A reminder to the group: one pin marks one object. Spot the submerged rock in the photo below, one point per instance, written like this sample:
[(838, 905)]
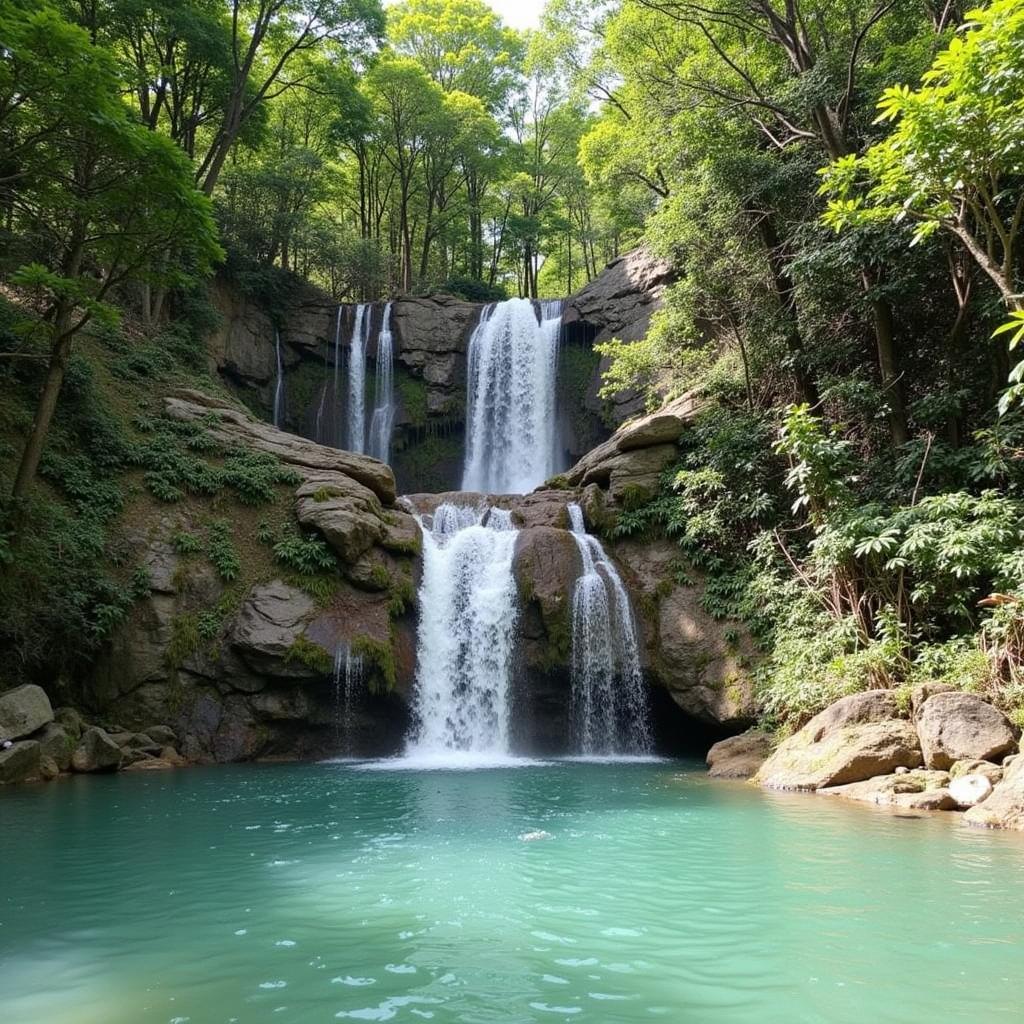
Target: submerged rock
[(954, 726), (739, 757), (23, 711)]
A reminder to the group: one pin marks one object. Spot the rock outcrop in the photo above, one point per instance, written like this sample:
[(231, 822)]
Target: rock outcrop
[(618, 303), (244, 674)]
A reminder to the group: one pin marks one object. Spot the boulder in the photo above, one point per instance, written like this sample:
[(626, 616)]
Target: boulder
[(855, 709), (850, 753), (162, 734), (57, 744), (96, 752), (955, 725), (739, 757), (23, 711), (268, 625), (969, 790), (20, 762), (71, 720), (1004, 807), (343, 510), (919, 694)]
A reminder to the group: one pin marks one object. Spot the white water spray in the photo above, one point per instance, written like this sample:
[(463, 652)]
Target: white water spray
[(511, 434), (383, 418), (609, 704), (467, 625), (357, 378), (279, 386), (348, 680)]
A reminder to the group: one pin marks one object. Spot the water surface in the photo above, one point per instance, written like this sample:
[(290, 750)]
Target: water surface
[(318, 893)]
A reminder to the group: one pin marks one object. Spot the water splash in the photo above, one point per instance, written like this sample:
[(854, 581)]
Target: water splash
[(609, 703), (511, 437), (357, 378), (467, 626), (348, 681), (383, 419), (279, 386)]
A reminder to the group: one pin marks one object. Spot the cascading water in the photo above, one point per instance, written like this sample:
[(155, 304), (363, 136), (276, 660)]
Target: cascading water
[(511, 425), (279, 386), (383, 417), (348, 679), (357, 378), (467, 599), (609, 704)]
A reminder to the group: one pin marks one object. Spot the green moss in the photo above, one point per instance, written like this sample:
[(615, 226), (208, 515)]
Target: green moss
[(427, 462), (402, 595), (185, 640), (321, 587), (379, 576), (310, 654), (412, 395), (378, 662)]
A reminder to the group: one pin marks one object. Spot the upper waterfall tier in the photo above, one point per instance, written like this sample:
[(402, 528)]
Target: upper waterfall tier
[(511, 429)]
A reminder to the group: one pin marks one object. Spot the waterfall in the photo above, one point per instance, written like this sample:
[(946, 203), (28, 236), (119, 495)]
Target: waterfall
[(609, 704), (279, 386), (467, 601), (510, 436), (348, 679), (357, 378), (384, 393)]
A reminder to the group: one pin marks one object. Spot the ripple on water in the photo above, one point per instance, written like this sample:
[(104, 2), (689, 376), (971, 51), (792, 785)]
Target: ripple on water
[(663, 896)]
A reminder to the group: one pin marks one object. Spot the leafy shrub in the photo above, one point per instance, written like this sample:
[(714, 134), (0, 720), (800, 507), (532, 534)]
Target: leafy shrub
[(221, 550), (307, 555)]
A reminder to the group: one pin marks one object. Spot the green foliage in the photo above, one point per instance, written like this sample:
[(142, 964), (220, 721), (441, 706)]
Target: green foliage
[(378, 661), (221, 550), (307, 555)]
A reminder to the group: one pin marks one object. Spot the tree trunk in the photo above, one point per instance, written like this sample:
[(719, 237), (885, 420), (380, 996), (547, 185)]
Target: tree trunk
[(785, 292), (888, 362), (47, 405)]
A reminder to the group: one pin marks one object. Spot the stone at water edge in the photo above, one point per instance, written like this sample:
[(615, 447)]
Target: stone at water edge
[(916, 789), (23, 711), (969, 790), (1004, 807), (96, 752), (739, 757), (847, 755), (57, 744), (19, 762), (954, 726)]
